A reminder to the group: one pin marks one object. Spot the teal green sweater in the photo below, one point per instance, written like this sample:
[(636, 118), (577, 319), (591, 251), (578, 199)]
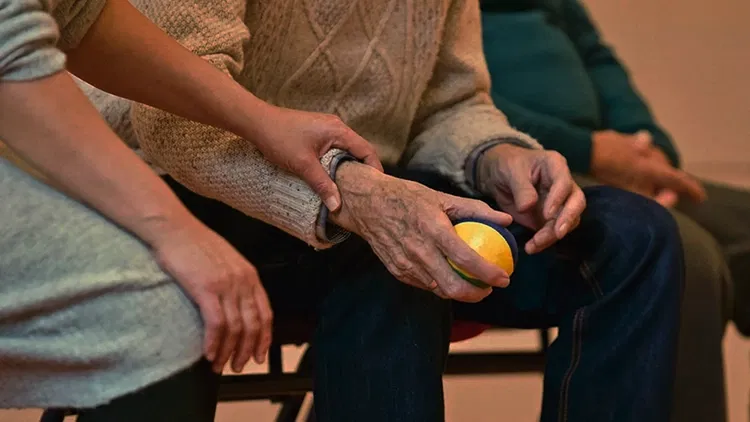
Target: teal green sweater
[(556, 80)]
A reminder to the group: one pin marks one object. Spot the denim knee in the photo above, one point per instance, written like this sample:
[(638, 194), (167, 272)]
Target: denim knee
[(636, 230)]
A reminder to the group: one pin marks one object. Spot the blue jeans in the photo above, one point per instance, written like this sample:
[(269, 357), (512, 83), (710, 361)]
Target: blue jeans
[(613, 287)]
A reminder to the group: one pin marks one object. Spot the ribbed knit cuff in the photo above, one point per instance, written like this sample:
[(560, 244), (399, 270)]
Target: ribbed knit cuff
[(326, 230)]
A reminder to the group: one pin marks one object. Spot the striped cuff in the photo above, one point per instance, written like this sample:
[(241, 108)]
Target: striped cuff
[(326, 230)]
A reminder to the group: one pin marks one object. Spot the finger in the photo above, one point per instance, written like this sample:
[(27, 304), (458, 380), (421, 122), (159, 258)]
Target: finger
[(571, 212), (320, 182), (359, 148), (643, 141), (543, 238), (557, 183), (667, 198), (680, 182), (466, 258), (214, 323), (450, 284), (250, 328), (230, 304), (410, 274), (458, 208), (558, 195), (265, 317), (433, 266), (524, 193)]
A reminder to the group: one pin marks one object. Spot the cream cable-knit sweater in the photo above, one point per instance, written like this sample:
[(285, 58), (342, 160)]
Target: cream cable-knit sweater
[(407, 75)]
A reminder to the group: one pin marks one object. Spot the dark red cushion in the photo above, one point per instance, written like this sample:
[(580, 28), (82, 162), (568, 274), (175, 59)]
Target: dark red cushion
[(464, 330)]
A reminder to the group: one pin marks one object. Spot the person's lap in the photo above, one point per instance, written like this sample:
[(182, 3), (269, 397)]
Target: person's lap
[(86, 315), (706, 308), (364, 314), (726, 216)]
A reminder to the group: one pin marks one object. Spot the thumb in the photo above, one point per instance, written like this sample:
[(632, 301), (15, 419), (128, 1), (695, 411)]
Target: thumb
[(320, 182), (667, 198), (524, 193), (643, 140)]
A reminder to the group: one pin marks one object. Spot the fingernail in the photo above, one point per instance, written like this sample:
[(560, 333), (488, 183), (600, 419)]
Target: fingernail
[(504, 281), (332, 203), (563, 230), (530, 248)]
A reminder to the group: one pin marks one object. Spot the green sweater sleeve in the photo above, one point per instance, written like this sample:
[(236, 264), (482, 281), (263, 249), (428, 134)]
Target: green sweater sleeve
[(553, 133), (623, 109)]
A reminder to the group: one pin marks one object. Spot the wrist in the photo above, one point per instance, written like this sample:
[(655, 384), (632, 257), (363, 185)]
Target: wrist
[(487, 164), (158, 228), (250, 115), (354, 180)]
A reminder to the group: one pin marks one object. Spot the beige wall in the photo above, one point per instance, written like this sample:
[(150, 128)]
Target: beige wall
[(692, 60)]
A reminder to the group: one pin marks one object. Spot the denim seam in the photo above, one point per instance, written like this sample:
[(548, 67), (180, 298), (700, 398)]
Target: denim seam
[(575, 360), (588, 275)]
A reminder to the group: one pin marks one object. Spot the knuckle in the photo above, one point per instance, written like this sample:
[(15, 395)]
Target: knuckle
[(249, 273), (452, 290), (402, 263), (215, 322), (234, 328), (267, 319)]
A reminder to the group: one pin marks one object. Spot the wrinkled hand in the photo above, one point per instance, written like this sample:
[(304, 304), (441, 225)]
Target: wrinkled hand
[(409, 227), (226, 288), (536, 188), (296, 140), (633, 163)]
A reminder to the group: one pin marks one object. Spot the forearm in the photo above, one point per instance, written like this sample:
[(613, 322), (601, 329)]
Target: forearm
[(125, 54), (219, 165), (51, 125)]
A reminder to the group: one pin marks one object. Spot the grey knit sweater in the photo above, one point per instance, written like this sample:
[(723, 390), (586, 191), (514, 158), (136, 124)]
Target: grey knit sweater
[(86, 314), (30, 34), (409, 76)]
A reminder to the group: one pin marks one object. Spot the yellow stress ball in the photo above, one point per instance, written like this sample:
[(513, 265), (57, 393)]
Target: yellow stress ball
[(492, 242)]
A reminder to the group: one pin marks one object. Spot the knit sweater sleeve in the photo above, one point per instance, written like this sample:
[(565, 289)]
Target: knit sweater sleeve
[(623, 108), (33, 33), (213, 162), (457, 115)]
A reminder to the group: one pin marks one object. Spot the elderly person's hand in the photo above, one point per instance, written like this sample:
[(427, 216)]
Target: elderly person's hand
[(536, 188), (409, 227)]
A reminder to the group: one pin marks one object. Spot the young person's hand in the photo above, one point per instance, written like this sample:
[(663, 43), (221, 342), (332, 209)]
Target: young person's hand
[(296, 140), (236, 313)]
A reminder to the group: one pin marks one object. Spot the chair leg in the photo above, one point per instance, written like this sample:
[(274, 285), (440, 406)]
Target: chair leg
[(311, 412), (53, 415), (544, 339), (291, 406)]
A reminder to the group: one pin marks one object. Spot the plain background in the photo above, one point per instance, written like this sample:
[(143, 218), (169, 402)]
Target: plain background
[(691, 60)]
